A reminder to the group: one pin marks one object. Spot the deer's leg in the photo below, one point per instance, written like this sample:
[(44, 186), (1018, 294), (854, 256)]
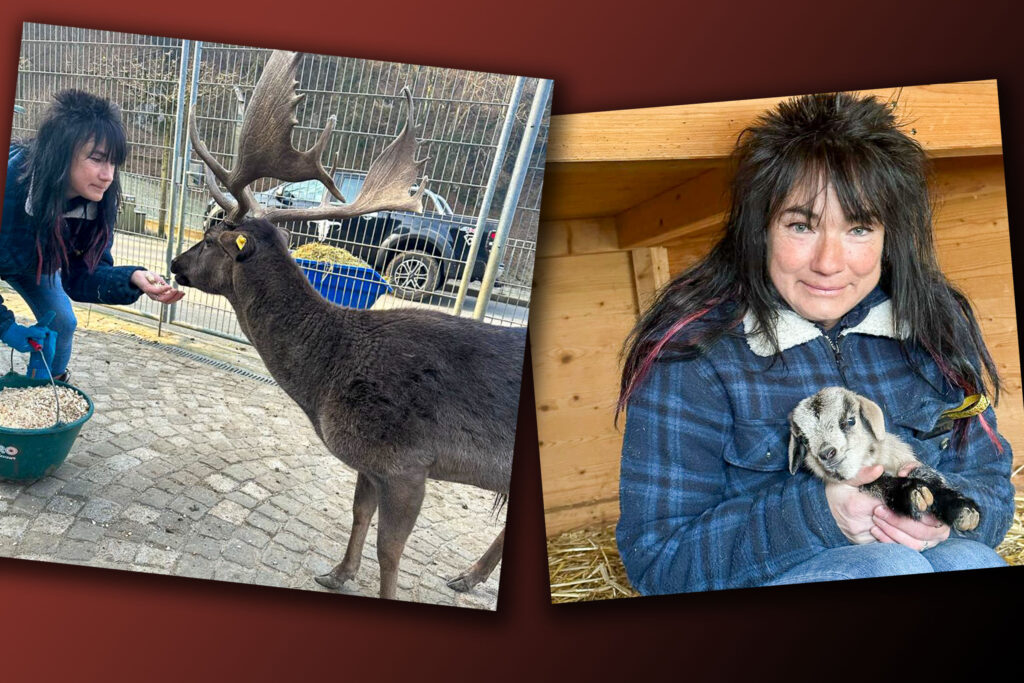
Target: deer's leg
[(364, 504), (480, 569), (400, 501)]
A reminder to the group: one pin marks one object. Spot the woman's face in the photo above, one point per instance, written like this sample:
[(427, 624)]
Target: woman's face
[(822, 263), (91, 172)]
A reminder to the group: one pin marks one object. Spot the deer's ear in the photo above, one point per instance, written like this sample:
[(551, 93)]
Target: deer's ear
[(286, 236), (237, 244)]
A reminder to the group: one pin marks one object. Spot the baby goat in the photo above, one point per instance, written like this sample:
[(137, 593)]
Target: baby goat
[(398, 395), (835, 433)]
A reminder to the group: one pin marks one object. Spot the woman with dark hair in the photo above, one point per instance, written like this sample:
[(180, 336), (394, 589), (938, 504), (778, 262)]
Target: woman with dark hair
[(60, 206), (826, 275)]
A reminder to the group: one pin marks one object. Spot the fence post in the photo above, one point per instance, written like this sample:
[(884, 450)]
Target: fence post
[(480, 234), (186, 155), (166, 311), (515, 188)]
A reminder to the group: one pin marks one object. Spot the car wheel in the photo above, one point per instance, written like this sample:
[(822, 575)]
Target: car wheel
[(414, 274)]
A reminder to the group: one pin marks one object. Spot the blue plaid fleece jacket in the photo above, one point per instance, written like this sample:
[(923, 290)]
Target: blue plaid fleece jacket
[(707, 500), (107, 284)]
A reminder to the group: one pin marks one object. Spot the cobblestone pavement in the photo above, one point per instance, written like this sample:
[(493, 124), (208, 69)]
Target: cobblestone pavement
[(192, 470)]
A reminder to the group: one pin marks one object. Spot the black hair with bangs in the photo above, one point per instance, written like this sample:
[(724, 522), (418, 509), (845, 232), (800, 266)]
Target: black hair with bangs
[(75, 118), (880, 175)]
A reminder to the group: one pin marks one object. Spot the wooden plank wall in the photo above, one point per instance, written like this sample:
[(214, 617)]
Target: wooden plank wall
[(584, 304)]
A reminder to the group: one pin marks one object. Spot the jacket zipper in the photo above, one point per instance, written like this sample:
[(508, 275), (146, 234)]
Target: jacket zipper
[(838, 354)]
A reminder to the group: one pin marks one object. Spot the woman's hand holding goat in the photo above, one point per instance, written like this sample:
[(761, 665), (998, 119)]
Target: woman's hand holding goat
[(919, 535), (852, 508), (862, 519)]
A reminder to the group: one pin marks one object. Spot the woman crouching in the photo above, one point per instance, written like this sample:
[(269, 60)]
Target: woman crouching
[(60, 207)]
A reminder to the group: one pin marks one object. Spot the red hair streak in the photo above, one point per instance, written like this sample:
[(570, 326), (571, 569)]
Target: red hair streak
[(649, 359)]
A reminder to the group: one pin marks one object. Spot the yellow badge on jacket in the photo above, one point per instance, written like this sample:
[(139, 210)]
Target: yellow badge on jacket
[(972, 405)]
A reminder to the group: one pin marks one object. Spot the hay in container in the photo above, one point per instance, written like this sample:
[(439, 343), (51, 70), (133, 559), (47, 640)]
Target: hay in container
[(325, 253), (584, 564), (34, 408)]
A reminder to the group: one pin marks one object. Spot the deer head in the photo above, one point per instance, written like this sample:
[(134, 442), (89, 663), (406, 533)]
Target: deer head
[(265, 150)]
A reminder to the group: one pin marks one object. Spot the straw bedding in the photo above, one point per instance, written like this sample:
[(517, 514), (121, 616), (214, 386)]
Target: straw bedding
[(584, 564)]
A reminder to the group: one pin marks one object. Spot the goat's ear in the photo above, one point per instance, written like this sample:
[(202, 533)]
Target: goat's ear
[(238, 245), (797, 449), (871, 414)]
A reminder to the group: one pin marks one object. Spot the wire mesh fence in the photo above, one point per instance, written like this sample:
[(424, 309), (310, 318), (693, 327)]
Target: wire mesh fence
[(141, 75), (459, 117)]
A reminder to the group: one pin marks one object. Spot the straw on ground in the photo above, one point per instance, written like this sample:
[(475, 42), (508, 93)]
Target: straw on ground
[(584, 564)]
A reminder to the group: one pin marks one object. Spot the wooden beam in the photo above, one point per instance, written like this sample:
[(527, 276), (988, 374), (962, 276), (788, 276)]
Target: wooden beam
[(696, 205), (650, 274), (951, 119), (576, 237), (593, 514)]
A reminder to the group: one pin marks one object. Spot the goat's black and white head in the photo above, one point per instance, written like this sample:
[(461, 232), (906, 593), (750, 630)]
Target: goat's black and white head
[(832, 432), (209, 265)]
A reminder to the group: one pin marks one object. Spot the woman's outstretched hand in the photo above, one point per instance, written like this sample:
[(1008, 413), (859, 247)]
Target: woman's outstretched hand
[(155, 287)]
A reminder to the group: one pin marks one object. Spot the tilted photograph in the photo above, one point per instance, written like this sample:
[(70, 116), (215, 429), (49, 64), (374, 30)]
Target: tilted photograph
[(775, 342), (264, 313)]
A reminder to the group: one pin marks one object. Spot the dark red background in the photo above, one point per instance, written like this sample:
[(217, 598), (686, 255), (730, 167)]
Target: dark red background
[(88, 624)]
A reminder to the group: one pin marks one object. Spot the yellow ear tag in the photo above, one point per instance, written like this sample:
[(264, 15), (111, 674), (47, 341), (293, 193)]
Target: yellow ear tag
[(240, 242)]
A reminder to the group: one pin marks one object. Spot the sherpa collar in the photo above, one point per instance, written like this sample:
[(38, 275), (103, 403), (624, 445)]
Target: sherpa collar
[(87, 210), (791, 329)]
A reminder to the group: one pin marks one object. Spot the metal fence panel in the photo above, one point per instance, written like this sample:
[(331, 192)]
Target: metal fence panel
[(459, 115)]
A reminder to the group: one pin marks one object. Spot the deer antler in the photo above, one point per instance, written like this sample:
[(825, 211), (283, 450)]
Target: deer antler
[(265, 149), (387, 184)]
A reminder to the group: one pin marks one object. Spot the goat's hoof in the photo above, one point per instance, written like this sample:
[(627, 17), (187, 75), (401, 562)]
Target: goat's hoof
[(967, 518), (462, 584), (921, 498), (329, 581)]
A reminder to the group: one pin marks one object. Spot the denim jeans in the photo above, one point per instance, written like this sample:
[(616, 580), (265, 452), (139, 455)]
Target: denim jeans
[(890, 559), (48, 295)]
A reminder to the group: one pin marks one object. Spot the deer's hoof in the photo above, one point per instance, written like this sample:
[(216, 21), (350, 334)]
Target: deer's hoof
[(462, 584), (329, 581)]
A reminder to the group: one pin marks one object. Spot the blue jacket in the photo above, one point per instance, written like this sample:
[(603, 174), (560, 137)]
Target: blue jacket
[(707, 501), (107, 284)]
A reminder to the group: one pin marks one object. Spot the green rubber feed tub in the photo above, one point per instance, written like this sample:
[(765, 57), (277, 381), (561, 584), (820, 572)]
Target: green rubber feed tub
[(28, 454)]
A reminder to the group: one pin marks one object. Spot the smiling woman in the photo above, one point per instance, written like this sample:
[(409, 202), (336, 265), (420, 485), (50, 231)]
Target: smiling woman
[(820, 262), (826, 276), (60, 206), (91, 173)]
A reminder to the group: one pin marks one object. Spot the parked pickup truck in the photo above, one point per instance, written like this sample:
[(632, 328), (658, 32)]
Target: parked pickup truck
[(417, 253)]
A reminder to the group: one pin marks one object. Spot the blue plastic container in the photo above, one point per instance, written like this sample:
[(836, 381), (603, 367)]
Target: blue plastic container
[(351, 286)]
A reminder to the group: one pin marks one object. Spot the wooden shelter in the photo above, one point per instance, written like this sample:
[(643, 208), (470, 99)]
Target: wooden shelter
[(633, 197)]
